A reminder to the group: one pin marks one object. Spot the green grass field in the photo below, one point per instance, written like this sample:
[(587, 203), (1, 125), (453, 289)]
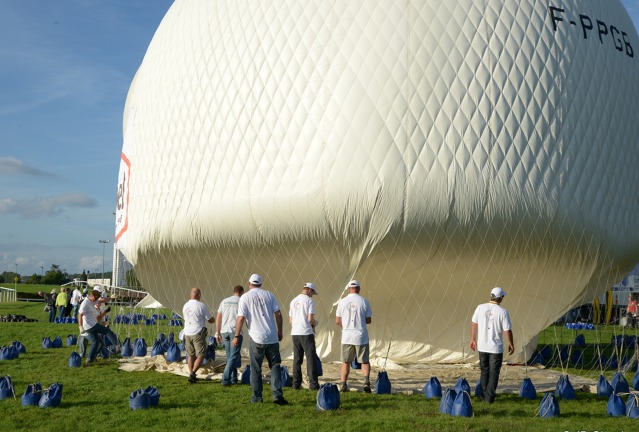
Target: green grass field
[(96, 398)]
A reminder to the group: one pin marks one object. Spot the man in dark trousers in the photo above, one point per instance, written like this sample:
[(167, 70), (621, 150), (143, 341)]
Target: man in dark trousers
[(490, 323)]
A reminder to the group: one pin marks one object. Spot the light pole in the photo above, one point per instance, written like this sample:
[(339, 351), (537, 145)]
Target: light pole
[(42, 271), (15, 279), (104, 242)]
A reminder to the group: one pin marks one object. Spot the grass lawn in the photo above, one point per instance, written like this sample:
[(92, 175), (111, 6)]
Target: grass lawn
[(96, 398)]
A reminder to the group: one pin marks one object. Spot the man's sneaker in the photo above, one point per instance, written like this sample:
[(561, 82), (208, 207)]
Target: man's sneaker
[(367, 387), (192, 378), (343, 388), (280, 401)]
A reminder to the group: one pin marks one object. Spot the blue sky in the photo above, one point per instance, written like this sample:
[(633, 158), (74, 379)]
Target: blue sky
[(65, 72)]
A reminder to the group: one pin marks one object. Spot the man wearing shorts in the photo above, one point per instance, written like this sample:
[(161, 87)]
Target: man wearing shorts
[(196, 314), (353, 314)]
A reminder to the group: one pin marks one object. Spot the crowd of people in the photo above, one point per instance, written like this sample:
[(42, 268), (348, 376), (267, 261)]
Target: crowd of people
[(259, 311)]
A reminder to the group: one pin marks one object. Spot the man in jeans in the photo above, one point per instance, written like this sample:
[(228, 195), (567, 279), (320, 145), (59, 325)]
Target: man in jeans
[(261, 311), (196, 314), (225, 324), (88, 318), (301, 315), (489, 323)]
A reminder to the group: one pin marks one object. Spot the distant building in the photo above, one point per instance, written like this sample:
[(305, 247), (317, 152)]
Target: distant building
[(120, 267)]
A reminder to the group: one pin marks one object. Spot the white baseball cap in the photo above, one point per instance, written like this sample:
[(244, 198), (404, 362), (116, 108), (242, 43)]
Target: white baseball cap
[(497, 292), (255, 279), (354, 284), (311, 285)]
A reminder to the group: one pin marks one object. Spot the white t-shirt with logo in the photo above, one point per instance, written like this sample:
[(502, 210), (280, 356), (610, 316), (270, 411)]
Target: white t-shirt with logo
[(492, 321), (195, 314), (228, 309), (258, 307), (354, 309), (301, 307)]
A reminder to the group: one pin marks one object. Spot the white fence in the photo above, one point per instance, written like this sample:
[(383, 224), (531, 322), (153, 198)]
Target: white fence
[(7, 295)]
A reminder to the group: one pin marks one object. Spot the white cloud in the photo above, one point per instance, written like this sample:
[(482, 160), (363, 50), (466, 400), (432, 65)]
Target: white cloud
[(91, 263), (10, 165), (45, 206)]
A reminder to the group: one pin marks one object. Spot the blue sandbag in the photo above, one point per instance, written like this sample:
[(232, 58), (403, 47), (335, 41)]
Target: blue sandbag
[(328, 398), (635, 381), (287, 381), (446, 404), (6, 387), (126, 349), (72, 340), (382, 383), (57, 342), (527, 390), (619, 383), (139, 399), (75, 360), (32, 395), (51, 397), (580, 340), (564, 388), (19, 346), (462, 386), (154, 395), (549, 406), (632, 406), (157, 349), (46, 342), (139, 348), (479, 393), (616, 407), (5, 353), (433, 389), (246, 375), (604, 388), (462, 406), (173, 353)]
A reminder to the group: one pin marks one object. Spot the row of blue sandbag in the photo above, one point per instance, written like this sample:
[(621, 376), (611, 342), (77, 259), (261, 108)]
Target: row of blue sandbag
[(549, 406), (33, 395), (12, 351)]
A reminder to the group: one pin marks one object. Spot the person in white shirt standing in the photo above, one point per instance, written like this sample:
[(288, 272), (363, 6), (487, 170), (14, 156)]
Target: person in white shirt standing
[(489, 323), (261, 312), (196, 314), (76, 299), (225, 323), (354, 313), (301, 315)]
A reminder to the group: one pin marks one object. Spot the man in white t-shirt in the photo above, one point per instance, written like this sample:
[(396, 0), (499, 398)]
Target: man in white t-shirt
[(225, 324), (490, 323), (261, 312), (88, 320), (353, 315), (195, 314), (76, 299), (301, 315)]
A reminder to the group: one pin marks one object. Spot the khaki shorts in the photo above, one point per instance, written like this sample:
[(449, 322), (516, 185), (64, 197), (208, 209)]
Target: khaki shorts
[(196, 345), (352, 352)]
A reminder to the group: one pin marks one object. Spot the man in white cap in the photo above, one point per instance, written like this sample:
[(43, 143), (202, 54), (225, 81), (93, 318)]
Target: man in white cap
[(301, 315), (261, 312), (353, 314), (489, 323)]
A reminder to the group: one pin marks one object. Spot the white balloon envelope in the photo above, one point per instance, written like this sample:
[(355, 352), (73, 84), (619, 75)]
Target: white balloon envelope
[(432, 150)]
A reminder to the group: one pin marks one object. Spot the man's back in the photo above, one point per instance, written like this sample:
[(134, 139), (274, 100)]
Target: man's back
[(300, 308), (492, 320), (228, 309), (258, 307), (354, 309)]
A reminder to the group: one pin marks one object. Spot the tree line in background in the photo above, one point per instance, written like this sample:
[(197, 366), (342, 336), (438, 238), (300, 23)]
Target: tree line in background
[(54, 276), (57, 276)]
